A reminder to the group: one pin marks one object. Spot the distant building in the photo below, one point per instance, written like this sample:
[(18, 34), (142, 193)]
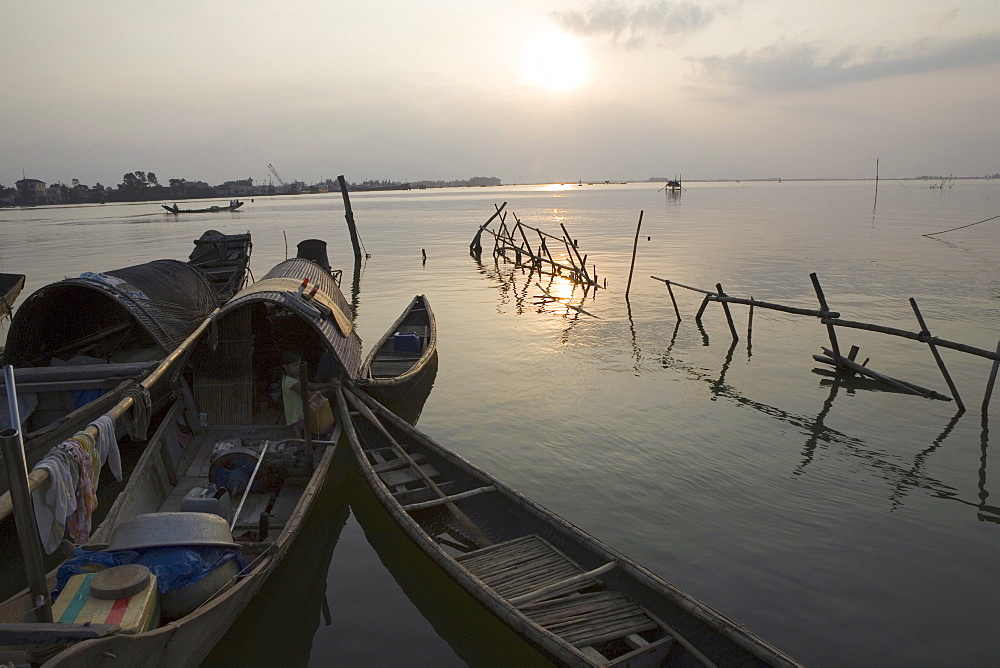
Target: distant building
[(53, 194), (31, 191)]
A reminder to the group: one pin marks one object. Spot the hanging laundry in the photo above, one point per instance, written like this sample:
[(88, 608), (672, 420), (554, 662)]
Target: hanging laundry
[(107, 444), (55, 502), (78, 522), (137, 420)]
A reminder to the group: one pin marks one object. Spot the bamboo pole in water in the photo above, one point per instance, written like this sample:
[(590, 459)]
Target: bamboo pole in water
[(729, 315), (349, 215), (992, 380), (910, 388), (635, 246), (916, 336), (475, 247), (823, 306), (937, 355)]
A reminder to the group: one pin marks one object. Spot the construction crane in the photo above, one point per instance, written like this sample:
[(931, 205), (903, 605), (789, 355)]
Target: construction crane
[(277, 175)]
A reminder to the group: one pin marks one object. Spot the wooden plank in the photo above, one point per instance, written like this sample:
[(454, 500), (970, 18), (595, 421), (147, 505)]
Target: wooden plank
[(398, 463), (447, 499), (37, 633), (393, 478)]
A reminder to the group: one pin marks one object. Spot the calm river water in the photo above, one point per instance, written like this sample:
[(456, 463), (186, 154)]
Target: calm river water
[(844, 523)]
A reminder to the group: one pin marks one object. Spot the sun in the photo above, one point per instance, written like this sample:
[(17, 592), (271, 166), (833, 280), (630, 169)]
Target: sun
[(555, 61)]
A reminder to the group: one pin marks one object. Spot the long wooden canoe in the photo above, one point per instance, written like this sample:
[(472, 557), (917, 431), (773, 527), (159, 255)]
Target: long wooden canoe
[(403, 355), (575, 599), (225, 372)]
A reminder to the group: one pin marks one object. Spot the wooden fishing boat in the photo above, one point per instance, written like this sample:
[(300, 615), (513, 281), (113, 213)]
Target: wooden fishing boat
[(575, 599), (10, 287), (403, 355), (82, 343), (232, 206), (226, 433)]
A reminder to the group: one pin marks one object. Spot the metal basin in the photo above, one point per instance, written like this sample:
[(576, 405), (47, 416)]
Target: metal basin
[(162, 529)]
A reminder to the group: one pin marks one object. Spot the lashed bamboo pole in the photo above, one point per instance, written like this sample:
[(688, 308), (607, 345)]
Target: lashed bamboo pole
[(475, 247), (937, 355), (823, 306), (583, 265), (38, 477), (915, 336), (895, 382)]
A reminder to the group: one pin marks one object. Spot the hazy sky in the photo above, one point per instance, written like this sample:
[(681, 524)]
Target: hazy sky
[(525, 90)]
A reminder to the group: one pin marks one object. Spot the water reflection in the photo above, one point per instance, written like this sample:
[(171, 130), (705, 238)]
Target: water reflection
[(986, 512), (903, 478), (474, 633)]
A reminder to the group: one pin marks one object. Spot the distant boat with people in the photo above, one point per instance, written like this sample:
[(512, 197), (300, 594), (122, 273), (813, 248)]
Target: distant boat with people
[(233, 205)]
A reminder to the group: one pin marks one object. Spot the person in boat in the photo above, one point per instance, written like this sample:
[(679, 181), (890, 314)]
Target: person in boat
[(291, 394)]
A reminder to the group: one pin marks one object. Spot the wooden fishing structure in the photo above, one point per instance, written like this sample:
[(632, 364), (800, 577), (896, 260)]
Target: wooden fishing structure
[(511, 243), (848, 364)]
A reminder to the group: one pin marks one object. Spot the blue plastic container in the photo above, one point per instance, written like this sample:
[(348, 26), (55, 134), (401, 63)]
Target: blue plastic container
[(406, 342)]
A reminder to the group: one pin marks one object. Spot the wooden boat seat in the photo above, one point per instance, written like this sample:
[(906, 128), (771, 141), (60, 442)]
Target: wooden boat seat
[(554, 592)]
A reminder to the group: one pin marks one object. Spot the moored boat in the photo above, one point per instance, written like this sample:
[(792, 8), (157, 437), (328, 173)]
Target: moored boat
[(572, 597), (403, 355), (82, 343), (221, 454)]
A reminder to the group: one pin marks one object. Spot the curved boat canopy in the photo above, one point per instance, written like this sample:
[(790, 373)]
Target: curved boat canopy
[(132, 314), (237, 375)]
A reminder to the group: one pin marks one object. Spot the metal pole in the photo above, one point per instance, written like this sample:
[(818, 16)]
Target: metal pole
[(24, 511)]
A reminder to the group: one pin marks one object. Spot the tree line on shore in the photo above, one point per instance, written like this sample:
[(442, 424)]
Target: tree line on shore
[(139, 186)]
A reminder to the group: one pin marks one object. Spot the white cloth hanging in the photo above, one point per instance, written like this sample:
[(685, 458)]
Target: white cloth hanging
[(107, 444)]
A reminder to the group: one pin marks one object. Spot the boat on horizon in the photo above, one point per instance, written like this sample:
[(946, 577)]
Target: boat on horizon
[(232, 206)]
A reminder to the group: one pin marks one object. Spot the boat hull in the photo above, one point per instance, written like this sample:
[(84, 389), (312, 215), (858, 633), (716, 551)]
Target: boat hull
[(506, 517), (389, 375)]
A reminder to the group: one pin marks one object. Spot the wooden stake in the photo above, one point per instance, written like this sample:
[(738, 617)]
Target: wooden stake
[(349, 215), (704, 305), (635, 246), (937, 355), (729, 316), (677, 311), (989, 385), (823, 306)]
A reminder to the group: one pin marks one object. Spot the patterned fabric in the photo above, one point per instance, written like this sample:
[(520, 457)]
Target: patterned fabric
[(78, 522)]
